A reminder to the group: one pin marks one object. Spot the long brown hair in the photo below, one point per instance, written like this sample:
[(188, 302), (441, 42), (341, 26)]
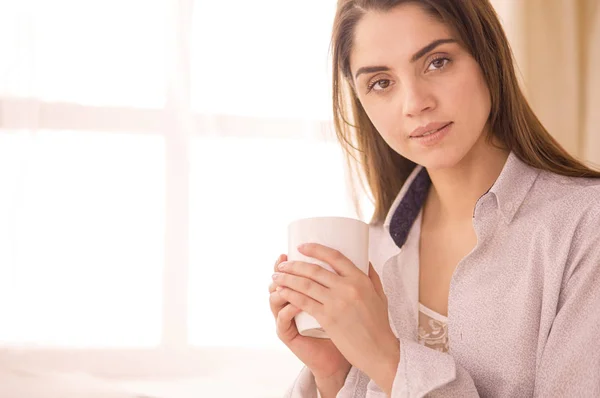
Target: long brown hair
[(511, 119)]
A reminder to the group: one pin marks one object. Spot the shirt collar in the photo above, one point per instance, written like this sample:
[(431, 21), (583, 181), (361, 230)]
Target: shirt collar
[(513, 185), (510, 189)]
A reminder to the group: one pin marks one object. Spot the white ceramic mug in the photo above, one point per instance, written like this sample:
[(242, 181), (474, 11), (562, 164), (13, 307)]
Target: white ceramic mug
[(347, 235)]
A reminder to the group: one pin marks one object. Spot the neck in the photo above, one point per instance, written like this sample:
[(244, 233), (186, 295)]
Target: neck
[(454, 191)]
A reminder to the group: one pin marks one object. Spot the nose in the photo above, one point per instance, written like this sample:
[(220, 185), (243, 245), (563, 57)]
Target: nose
[(417, 99)]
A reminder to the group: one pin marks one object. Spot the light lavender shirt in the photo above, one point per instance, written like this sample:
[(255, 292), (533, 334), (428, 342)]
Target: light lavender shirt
[(524, 305)]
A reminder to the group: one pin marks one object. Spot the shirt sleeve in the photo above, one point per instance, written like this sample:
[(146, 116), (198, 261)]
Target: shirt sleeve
[(570, 361), (304, 386), (355, 385), (421, 372)]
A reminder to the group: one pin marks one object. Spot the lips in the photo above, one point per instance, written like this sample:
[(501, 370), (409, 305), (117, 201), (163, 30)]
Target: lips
[(428, 129)]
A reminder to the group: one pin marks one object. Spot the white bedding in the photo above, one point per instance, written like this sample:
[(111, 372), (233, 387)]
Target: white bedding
[(17, 383)]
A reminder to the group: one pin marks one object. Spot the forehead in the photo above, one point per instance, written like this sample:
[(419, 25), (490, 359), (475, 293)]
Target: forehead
[(382, 37)]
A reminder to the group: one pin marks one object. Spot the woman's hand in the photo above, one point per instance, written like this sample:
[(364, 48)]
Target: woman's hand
[(351, 307), (325, 361)]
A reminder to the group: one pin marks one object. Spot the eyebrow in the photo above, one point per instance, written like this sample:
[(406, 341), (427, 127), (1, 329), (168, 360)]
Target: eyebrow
[(419, 54)]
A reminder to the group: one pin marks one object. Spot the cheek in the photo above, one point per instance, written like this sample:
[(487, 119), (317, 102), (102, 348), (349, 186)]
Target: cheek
[(383, 114), (473, 100), (385, 121)]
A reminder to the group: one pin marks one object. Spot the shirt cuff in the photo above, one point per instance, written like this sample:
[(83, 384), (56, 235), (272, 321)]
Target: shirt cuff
[(421, 370), (304, 386)]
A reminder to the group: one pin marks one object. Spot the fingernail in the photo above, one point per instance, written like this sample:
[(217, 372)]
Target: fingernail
[(283, 265), (275, 275), (278, 288)]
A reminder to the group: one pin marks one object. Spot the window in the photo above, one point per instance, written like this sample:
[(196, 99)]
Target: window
[(100, 53), (152, 155), (267, 59), (75, 256)]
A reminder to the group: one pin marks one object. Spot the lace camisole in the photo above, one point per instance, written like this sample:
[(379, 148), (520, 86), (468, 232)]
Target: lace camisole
[(433, 329)]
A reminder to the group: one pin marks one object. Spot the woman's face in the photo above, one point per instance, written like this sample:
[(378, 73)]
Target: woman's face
[(413, 79)]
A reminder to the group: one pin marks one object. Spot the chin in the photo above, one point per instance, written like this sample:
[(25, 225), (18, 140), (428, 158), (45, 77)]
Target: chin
[(438, 158)]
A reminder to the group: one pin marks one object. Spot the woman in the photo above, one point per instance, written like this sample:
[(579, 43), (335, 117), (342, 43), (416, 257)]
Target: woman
[(496, 289)]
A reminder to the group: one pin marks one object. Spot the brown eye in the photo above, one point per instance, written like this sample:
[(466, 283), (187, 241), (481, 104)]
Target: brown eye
[(438, 63), (379, 85)]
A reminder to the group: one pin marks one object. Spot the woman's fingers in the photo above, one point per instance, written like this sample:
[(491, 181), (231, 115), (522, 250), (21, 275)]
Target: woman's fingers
[(277, 303), (281, 309), (272, 287), (311, 271), (285, 322), (280, 259), (306, 286)]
